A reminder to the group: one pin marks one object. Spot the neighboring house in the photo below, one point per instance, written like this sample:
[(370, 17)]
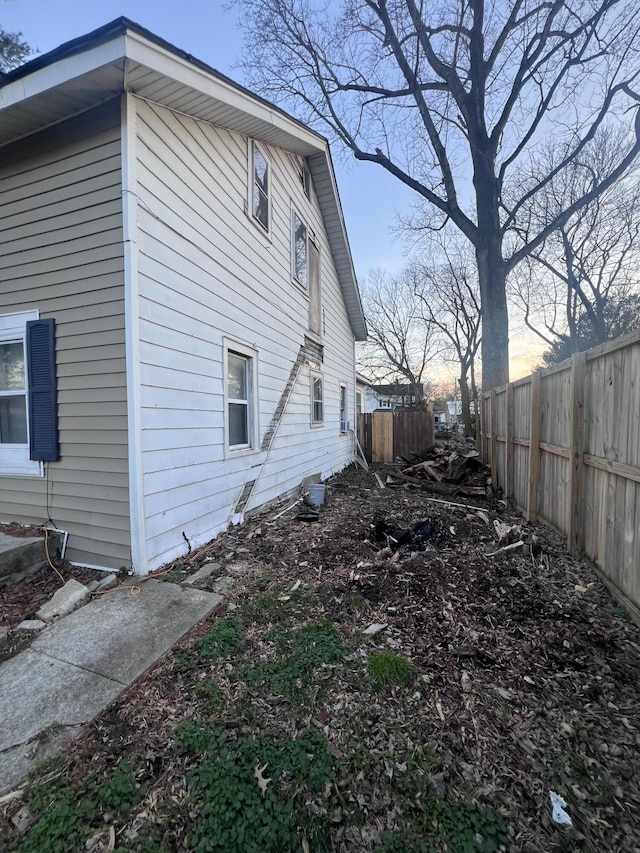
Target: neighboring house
[(454, 411), (173, 247), (396, 397), (362, 387)]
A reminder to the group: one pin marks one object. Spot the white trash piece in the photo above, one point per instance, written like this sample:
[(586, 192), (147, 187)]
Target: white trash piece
[(316, 494), (558, 813)]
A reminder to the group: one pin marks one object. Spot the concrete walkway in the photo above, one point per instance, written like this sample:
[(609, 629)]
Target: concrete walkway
[(78, 666)]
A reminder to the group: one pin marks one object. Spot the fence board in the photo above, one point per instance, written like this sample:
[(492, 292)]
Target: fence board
[(382, 437), (386, 435), (413, 432), (565, 444)]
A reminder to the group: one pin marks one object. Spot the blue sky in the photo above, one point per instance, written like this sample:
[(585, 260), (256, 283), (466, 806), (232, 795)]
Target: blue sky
[(211, 33), (370, 197)]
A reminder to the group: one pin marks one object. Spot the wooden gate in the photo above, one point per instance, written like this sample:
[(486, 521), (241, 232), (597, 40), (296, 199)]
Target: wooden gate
[(386, 435)]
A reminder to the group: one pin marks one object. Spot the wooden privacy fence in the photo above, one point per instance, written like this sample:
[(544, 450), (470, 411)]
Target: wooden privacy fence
[(386, 435), (564, 443)]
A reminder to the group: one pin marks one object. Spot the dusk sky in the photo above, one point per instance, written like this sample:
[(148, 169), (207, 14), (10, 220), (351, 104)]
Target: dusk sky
[(205, 28)]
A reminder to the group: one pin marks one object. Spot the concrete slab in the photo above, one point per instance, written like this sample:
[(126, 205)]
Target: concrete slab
[(202, 574), (120, 635), (38, 692), (18, 554), (74, 669)]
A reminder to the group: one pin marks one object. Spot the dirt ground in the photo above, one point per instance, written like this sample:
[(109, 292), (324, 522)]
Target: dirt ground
[(490, 678)]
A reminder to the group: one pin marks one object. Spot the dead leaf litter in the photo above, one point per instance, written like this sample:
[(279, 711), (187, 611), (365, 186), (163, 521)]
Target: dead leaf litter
[(518, 677)]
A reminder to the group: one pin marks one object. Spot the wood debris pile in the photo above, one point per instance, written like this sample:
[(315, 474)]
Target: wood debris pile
[(445, 472)]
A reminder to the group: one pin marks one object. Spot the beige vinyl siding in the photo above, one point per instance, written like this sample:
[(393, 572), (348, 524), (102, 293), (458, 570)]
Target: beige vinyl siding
[(208, 272), (61, 252)]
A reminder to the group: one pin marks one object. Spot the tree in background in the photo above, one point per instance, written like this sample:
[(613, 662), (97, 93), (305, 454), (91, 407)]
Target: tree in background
[(581, 287), (457, 97), (449, 302), (13, 50), (400, 344)]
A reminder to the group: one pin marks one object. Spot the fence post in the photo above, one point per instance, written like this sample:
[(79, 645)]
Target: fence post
[(494, 439), (534, 448), (509, 478), (575, 533)]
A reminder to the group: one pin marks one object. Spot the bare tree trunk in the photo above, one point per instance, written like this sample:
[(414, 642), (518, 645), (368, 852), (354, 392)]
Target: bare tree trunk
[(465, 402), (495, 322)]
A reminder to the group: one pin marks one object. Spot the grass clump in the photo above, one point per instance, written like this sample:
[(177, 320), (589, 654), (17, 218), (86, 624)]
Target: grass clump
[(300, 653), (121, 792), (64, 816), (225, 637), (465, 827), (355, 603), (386, 670), (210, 695), (248, 793)]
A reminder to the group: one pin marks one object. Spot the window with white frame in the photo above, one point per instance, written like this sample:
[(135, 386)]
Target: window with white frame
[(344, 425), (261, 181), (300, 250), (240, 366), (305, 179), (14, 397), (317, 399)]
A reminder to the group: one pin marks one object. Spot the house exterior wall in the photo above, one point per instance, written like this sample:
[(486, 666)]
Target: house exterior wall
[(61, 254), (207, 273)]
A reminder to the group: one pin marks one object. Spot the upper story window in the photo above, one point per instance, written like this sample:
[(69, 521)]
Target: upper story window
[(261, 176), (305, 179), (300, 251)]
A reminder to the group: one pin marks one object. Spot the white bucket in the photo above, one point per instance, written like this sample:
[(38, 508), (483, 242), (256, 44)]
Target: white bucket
[(316, 494)]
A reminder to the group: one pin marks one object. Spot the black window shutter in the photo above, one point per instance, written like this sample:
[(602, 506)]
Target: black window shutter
[(43, 403)]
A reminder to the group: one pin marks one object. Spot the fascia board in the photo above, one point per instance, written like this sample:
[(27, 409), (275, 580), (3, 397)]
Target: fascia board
[(64, 70), (176, 68)]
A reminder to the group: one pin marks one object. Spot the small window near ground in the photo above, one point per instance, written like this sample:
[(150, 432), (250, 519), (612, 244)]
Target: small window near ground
[(240, 394), (300, 251), (317, 401), (261, 188)]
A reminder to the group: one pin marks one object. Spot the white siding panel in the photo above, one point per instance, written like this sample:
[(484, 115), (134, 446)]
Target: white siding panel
[(61, 251), (208, 273)]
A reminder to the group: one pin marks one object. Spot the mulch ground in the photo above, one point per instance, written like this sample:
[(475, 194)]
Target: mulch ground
[(524, 679)]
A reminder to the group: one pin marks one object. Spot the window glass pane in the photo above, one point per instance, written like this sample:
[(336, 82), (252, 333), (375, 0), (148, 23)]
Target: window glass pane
[(12, 366), (299, 249), (13, 419), (238, 424), (317, 400), (260, 188), (237, 376), (261, 170)]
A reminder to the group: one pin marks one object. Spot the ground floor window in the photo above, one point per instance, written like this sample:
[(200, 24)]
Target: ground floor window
[(317, 399), (240, 397), (344, 426), (14, 401)]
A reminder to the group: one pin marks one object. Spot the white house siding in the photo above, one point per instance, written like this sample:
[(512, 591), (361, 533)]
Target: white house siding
[(61, 253), (206, 272)]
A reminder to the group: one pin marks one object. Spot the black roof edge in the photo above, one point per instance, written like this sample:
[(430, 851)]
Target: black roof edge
[(120, 26)]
